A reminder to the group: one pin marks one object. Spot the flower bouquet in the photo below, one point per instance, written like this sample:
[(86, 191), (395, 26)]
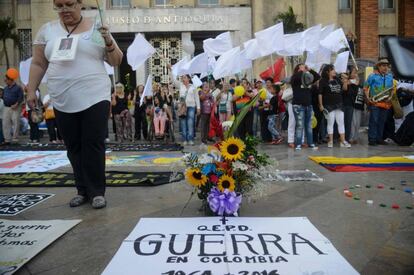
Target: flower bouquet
[(227, 171)]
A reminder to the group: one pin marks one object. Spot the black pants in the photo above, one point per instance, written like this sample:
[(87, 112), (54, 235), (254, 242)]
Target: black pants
[(205, 126), (348, 113), (141, 124), (319, 132), (52, 129), (84, 137), (34, 128), (264, 131), (246, 126)]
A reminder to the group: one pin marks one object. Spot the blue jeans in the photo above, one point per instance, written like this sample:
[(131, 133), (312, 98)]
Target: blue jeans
[(376, 124), (303, 117), (271, 126), (187, 125)]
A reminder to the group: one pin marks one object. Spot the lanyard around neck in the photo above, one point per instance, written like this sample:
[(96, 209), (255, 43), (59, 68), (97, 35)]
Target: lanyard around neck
[(76, 26)]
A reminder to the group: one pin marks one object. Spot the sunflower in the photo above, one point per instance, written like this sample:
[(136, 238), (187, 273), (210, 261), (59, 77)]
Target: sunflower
[(226, 182), (232, 148), (195, 177)]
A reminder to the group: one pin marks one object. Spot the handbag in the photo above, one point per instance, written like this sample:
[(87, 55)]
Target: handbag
[(182, 107), (287, 95), (37, 115), (49, 114)]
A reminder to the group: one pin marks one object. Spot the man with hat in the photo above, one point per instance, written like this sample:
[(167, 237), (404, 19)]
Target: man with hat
[(375, 84), (12, 98)]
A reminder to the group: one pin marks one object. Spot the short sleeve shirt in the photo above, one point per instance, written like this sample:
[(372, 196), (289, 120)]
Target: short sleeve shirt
[(80, 83), (378, 83)]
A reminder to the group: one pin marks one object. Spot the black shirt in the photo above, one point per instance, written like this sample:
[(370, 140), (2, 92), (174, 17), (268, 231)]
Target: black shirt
[(349, 96), (331, 92), (274, 106), (121, 104), (302, 95)]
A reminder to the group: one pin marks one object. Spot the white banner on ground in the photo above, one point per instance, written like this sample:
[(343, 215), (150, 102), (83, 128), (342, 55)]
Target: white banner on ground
[(31, 161), (215, 245), (22, 240), (197, 65), (341, 62), (139, 51), (219, 45), (270, 40), (24, 69)]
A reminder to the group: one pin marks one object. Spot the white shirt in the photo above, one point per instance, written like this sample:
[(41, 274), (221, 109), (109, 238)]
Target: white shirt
[(192, 99), (78, 84), (226, 98)]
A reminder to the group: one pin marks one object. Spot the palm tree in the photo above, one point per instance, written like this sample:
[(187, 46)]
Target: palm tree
[(7, 31), (289, 20)]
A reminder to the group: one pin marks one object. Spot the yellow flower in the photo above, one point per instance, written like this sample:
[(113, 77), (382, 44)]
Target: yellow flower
[(232, 148), (226, 182), (195, 177)]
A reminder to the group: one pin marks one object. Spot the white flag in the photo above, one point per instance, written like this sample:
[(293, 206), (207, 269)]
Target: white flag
[(245, 63), (317, 59), (147, 90), (139, 51), (231, 62), (271, 39), (24, 69), (325, 31), (197, 65), (341, 62), (252, 50), (293, 44), (177, 68), (219, 45), (311, 37), (109, 69), (196, 81), (335, 41)]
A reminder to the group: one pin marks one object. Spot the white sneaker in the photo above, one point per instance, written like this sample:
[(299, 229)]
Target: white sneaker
[(313, 147), (330, 144), (345, 144), (184, 143), (191, 142)]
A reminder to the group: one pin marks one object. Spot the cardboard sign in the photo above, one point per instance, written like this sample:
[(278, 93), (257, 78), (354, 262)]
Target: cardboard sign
[(219, 246), (65, 48), (22, 240), (13, 204)]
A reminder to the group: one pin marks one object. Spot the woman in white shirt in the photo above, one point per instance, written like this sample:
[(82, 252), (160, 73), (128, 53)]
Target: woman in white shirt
[(188, 94), (79, 87)]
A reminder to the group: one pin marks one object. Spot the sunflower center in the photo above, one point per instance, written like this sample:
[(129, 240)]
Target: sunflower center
[(197, 175), (225, 184), (233, 149)]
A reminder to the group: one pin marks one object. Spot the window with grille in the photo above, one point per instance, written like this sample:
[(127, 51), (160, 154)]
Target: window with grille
[(25, 36), (386, 4), (120, 4), (345, 5), (208, 2)]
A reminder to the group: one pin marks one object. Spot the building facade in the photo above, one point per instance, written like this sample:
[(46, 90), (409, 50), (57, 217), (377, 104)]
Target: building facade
[(167, 24)]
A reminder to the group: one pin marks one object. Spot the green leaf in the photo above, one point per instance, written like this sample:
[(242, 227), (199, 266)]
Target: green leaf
[(238, 119)]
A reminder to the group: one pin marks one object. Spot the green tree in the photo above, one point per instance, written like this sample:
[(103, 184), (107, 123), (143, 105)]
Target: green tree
[(8, 31), (290, 23)]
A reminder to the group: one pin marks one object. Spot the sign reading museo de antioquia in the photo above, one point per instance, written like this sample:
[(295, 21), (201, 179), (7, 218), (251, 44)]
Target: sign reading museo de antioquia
[(229, 246)]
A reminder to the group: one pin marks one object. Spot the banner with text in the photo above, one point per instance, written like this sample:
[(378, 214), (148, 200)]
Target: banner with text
[(22, 240), (227, 246), (13, 204)]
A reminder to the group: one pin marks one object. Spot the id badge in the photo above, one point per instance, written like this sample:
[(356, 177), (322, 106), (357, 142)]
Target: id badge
[(65, 48)]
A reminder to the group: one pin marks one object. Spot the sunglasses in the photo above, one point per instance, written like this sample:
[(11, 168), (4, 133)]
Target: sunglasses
[(65, 7)]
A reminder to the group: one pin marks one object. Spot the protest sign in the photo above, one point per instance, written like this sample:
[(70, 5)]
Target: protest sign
[(232, 245), (13, 204), (22, 240)]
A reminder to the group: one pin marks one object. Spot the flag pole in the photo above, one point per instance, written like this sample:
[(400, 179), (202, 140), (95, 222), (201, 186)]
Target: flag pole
[(100, 12), (353, 59)]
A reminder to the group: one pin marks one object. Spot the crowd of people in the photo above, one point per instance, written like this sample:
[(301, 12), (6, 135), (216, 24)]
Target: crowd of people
[(305, 110)]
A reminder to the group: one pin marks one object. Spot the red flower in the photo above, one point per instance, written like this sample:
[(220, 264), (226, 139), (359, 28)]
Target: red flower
[(213, 178)]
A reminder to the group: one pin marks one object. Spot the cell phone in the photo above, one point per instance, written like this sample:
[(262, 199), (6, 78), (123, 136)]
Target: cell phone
[(401, 54)]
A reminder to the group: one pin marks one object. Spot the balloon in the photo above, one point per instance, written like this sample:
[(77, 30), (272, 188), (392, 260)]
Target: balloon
[(12, 73), (239, 90), (263, 93), (188, 47), (314, 122)]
